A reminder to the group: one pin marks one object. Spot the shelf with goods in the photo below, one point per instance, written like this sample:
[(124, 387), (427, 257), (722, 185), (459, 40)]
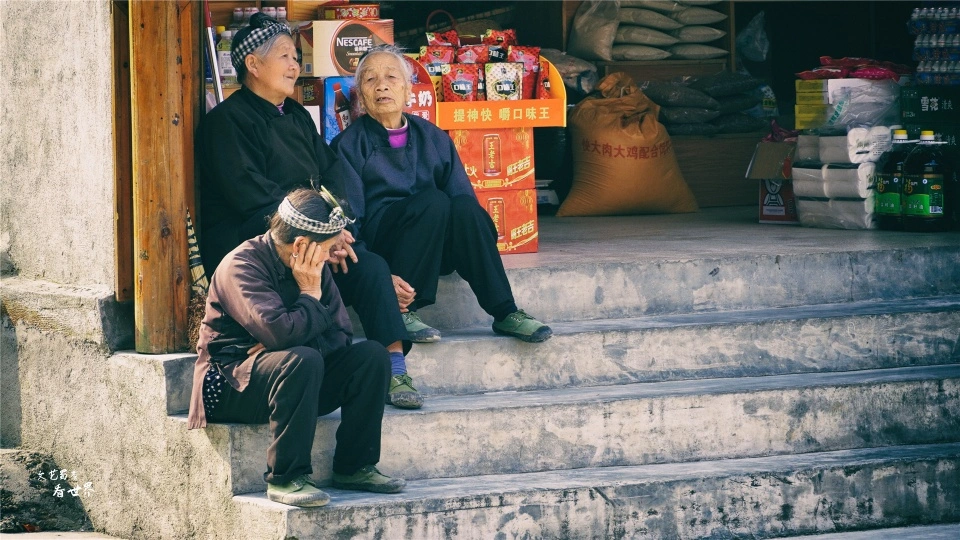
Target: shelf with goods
[(221, 11)]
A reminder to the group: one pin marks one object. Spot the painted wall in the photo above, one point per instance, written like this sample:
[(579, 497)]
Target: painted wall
[(56, 173)]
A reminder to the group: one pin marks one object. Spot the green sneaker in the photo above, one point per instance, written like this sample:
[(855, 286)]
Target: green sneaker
[(402, 394), (524, 327), (301, 491), (418, 331), (368, 479)]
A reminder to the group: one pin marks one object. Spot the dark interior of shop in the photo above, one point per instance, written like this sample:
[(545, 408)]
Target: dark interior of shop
[(799, 32)]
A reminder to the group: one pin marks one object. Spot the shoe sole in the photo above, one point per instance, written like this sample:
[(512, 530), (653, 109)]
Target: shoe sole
[(372, 488), (400, 401), (537, 337), (424, 336), (306, 504)]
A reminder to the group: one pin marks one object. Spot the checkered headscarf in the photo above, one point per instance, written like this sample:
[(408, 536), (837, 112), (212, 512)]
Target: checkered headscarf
[(336, 221), (262, 29)]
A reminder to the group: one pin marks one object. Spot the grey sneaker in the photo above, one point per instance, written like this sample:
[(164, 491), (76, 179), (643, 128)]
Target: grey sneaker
[(523, 327), (300, 491), (368, 479), (402, 394), (419, 331)]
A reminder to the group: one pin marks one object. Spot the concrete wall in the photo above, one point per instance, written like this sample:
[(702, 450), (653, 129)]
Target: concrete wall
[(56, 174)]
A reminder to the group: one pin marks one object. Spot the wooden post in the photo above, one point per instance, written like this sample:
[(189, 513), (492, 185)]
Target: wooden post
[(160, 172), (123, 170)]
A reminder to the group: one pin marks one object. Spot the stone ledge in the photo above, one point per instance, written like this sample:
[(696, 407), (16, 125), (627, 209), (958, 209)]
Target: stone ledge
[(85, 313)]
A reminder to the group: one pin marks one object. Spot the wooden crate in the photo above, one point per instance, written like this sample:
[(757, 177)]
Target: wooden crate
[(714, 168)]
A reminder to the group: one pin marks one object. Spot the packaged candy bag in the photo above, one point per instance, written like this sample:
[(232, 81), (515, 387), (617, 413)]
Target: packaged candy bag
[(473, 54), (496, 53), (530, 58), (504, 81), (433, 57), (448, 38), (460, 83), (503, 38), (543, 84)]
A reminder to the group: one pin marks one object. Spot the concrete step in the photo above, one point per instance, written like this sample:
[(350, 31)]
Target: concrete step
[(735, 498), (639, 423), (632, 286), (748, 343), (831, 337), (950, 531)]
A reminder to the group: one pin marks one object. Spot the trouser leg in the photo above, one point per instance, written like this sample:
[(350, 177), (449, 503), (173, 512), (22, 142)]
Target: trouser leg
[(471, 250), (410, 237), (284, 392), (368, 288), (356, 380)]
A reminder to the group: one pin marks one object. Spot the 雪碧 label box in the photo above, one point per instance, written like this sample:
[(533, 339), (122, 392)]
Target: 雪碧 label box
[(496, 158), (334, 48), (514, 214)]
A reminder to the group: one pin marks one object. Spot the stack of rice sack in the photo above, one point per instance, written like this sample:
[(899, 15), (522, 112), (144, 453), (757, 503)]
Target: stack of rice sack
[(495, 69), (660, 29), (707, 105), (833, 177)]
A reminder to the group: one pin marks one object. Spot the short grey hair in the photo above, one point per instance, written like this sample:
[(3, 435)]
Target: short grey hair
[(392, 50)]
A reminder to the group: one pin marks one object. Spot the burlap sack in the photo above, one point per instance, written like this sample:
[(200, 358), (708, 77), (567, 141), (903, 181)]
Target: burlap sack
[(623, 159)]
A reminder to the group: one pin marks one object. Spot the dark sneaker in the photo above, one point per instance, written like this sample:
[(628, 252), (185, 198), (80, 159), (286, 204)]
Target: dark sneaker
[(368, 479), (402, 394), (524, 327), (300, 491), (418, 331)]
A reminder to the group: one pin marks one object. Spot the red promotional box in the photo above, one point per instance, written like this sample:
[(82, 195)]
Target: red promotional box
[(496, 158), (514, 213)]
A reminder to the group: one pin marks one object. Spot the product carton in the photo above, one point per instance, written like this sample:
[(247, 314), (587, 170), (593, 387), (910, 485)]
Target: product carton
[(771, 165), (496, 158), (514, 213), (334, 48), (870, 90), (930, 105)]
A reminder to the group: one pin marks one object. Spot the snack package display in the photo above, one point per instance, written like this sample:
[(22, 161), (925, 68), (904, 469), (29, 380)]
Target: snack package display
[(543, 83), (530, 58), (448, 38), (504, 81), (473, 54), (461, 82), (497, 53), (433, 57), (502, 38)]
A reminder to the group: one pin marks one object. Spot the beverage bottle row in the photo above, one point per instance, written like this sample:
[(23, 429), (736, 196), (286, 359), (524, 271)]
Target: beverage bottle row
[(917, 186), (934, 20), (241, 16), (938, 72)]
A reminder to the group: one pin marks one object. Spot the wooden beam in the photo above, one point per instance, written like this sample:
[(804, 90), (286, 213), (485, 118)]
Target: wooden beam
[(123, 181), (161, 286)]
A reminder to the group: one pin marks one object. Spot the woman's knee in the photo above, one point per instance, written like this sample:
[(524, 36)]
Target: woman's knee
[(374, 355), (304, 361)]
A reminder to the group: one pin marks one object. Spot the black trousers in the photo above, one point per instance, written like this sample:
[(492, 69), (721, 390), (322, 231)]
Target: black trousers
[(430, 234), (289, 389), (368, 288)]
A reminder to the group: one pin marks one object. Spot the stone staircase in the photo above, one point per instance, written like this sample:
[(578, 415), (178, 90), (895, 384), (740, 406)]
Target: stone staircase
[(723, 395)]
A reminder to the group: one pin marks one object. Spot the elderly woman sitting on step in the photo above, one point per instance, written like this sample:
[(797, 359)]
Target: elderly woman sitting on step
[(275, 348), (415, 206)]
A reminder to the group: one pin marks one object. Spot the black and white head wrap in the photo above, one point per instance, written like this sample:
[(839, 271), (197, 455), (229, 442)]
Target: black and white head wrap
[(336, 221), (262, 29)]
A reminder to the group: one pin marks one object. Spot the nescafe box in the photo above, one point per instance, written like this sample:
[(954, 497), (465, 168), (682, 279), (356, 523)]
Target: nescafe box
[(334, 48)]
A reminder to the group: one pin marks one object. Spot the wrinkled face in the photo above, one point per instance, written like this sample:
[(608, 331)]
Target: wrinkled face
[(383, 88), (276, 72)]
